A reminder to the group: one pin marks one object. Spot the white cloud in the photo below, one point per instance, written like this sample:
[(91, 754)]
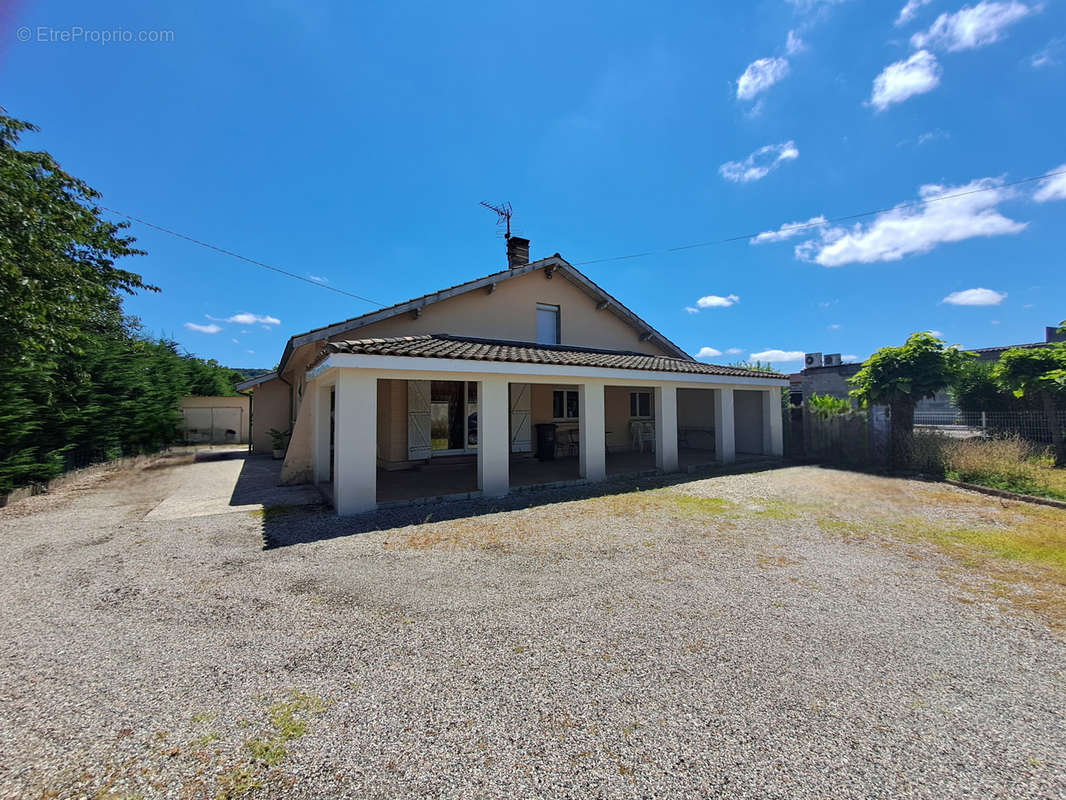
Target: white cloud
[(937, 334), (1053, 188), (708, 352), (789, 230), (234, 341), (760, 163), (212, 328), (246, 318), (916, 228), (972, 27), (1050, 56), (317, 278), (932, 136), (849, 357), (903, 79), (909, 11), (714, 301), (778, 355), (834, 327), (251, 352), (692, 310), (794, 44), (975, 297), (994, 322), (734, 351), (760, 75)]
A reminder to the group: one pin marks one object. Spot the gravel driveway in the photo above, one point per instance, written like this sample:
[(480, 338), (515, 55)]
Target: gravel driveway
[(769, 635)]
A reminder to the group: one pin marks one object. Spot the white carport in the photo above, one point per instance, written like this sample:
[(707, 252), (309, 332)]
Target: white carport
[(344, 395)]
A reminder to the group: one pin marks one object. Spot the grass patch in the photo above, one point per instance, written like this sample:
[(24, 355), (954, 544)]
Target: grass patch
[(288, 721), (239, 781), (1038, 539), (269, 752), (700, 506), (270, 513), (777, 510)]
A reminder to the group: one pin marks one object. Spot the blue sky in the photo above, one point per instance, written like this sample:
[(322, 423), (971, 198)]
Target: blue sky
[(352, 143)]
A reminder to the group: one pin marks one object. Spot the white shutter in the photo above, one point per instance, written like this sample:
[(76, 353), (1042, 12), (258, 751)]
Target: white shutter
[(521, 427), (418, 432)]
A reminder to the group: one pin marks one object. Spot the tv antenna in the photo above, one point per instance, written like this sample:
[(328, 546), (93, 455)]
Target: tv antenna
[(503, 215)]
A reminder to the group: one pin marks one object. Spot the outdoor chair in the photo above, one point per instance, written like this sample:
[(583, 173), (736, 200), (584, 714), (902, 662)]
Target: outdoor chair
[(641, 433)]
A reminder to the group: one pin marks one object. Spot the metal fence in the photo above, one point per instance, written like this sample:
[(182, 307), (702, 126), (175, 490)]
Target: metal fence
[(1030, 425)]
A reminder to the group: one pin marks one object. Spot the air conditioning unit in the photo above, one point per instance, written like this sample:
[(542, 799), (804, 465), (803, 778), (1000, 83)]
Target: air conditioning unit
[(812, 360), (832, 360)]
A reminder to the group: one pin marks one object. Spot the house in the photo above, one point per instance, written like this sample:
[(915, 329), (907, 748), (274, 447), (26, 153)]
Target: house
[(457, 391)]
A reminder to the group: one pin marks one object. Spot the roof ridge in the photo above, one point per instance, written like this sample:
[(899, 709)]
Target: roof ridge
[(456, 337)]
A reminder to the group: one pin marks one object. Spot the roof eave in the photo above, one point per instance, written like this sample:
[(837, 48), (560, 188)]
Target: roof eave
[(251, 383)]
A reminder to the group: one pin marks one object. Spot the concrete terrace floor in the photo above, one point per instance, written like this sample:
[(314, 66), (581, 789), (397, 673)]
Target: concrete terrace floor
[(789, 633), (459, 475)]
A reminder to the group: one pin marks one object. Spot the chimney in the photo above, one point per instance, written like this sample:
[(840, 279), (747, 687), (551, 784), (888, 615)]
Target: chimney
[(1051, 334), (517, 252)]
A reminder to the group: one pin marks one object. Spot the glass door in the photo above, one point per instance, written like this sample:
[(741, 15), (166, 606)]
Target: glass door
[(453, 417)]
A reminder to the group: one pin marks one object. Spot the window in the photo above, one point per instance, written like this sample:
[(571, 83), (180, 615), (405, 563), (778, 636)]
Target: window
[(640, 405), (547, 324), (564, 404)]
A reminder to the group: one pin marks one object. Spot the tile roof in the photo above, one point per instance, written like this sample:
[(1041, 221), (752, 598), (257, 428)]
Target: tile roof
[(440, 345)]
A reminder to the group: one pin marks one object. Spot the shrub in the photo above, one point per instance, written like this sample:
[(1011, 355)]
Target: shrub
[(927, 452), (1010, 463), (825, 405)]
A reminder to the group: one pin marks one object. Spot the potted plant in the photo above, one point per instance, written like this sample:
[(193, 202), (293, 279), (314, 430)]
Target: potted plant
[(277, 442)]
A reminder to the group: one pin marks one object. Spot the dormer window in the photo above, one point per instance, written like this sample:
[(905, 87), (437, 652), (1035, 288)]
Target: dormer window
[(547, 324)]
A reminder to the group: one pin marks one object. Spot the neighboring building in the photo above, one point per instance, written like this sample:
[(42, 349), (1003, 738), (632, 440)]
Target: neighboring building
[(465, 375), (828, 375), (215, 419), (822, 375)]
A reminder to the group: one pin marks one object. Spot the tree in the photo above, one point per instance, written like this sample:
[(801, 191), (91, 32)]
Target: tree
[(901, 376), (58, 287), (81, 380), (1039, 373), (976, 389)]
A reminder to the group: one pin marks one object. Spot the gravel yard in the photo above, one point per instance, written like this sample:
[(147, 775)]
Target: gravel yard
[(790, 633)]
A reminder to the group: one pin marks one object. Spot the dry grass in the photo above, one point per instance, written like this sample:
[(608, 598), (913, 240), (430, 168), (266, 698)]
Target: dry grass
[(559, 524), (1010, 552), (1009, 463)]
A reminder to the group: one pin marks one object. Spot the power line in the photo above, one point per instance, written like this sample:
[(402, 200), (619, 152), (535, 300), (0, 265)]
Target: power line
[(821, 223), (710, 243), (224, 251)]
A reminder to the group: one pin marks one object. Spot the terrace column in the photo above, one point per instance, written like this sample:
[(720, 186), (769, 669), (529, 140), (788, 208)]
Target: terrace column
[(773, 434), (724, 426), (493, 438), (666, 428), (355, 442), (321, 432), (592, 444)]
